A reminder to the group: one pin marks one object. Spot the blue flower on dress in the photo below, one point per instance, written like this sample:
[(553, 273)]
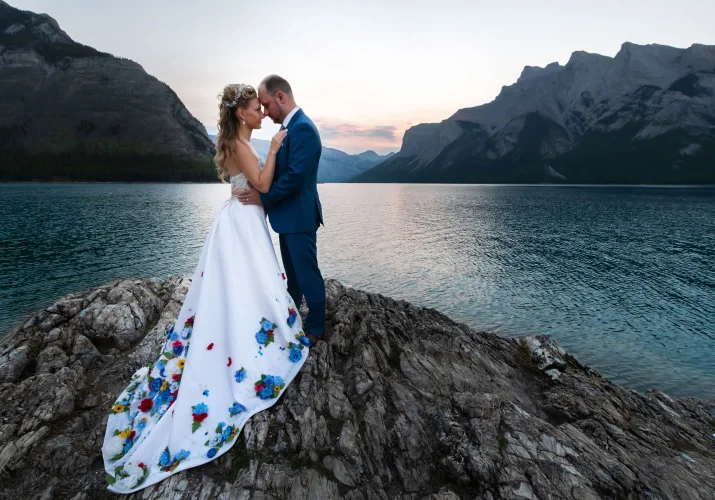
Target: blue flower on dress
[(266, 392), (261, 337), (227, 432), (292, 316), (200, 408), (165, 458), (182, 455), (206, 392), (236, 408), (155, 384), (266, 325), (141, 425), (240, 375), (211, 453), (295, 354), (304, 340), (178, 349)]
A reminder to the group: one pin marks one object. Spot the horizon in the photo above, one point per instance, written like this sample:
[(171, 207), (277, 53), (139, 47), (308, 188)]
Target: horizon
[(373, 70)]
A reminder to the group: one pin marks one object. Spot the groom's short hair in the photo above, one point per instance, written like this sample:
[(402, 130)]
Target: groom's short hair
[(275, 84)]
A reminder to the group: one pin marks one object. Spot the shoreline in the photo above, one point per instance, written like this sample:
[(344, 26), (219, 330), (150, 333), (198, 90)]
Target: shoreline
[(17, 328)]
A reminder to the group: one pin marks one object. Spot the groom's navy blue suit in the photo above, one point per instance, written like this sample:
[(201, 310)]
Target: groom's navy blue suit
[(295, 213)]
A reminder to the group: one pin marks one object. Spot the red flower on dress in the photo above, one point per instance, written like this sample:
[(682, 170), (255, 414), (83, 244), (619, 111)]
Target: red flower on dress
[(260, 387), (229, 361), (190, 321), (176, 376), (201, 417), (211, 346), (146, 405)]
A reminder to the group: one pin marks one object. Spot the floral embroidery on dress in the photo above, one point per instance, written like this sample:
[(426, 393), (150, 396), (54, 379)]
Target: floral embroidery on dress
[(188, 328), (224, 434), (168, 464), (199, 412), (300, 337), (292, 316), (269, 386), (121, 406), (128, 475), (121, 442), (295, 348), (265, 335), (240, 375), (236, 408)]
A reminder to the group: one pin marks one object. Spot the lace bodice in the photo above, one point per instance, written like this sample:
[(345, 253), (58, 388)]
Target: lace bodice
[(240, 181)]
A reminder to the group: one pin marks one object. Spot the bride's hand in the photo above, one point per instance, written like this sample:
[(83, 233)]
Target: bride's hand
[(277, 141)]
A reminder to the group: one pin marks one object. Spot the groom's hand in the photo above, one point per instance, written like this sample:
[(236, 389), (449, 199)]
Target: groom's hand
[(247, 196)]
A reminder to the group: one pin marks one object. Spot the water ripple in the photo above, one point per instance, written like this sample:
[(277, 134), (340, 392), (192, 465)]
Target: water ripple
[(624, 277)]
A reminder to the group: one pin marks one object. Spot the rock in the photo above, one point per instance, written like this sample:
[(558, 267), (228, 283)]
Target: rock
[(13, 364), (51, 359), (401, 402)]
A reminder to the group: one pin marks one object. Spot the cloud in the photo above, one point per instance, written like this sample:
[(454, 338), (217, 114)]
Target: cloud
[(380, 132)]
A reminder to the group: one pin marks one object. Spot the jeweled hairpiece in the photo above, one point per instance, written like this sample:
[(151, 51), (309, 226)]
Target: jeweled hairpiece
[(240, 89)]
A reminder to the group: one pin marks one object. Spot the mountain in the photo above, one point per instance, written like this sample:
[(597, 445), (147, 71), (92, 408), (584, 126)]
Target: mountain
[(335, 165), (72, 112), (646, 115)]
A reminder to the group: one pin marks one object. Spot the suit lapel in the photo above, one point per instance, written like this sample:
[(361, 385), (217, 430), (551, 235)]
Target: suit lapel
[(284, 152)]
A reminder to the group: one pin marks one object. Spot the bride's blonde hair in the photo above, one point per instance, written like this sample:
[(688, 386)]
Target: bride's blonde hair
[(234, 95)]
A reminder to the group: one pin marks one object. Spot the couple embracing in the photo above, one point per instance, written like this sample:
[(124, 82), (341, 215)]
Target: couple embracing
[(238, 340)]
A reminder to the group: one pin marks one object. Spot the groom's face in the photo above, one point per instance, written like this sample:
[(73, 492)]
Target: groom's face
[(271, 106)]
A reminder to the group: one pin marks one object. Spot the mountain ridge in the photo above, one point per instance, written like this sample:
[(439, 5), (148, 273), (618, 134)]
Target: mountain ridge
[(646, 115), (72, 112), (335, 165)]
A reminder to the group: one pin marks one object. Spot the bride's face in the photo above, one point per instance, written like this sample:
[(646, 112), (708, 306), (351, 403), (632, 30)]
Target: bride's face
[(251, 114)]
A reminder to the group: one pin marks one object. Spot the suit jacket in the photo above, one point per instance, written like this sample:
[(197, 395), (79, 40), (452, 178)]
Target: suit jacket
[(292, 202)]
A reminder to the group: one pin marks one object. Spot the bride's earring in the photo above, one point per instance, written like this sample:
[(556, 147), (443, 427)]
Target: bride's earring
[(244, 122)]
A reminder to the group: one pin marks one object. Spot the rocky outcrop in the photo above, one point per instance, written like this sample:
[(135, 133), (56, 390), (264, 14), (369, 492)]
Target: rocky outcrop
[(401, 402), (60, 97), (646, 115)]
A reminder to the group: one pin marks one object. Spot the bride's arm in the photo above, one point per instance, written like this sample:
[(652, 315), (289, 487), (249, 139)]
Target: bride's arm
[(261, 180)]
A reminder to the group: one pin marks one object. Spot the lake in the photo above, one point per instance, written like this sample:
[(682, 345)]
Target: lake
[(624, 277)]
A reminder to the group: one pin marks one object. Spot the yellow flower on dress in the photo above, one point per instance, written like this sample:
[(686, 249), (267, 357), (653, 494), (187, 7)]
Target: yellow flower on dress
[(164, 385), (181, 363), (118, 408), (125, 433)]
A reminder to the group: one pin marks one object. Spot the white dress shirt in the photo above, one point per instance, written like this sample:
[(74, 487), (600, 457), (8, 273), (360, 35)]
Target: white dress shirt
[(289, 116)]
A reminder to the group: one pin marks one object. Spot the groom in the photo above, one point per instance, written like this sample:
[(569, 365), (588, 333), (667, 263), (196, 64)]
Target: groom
[(292, 203)]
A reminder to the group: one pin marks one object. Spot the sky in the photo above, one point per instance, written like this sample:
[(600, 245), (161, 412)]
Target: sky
[(365, 71)]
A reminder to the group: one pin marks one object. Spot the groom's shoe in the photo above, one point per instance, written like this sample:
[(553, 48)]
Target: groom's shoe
[(314, 338)]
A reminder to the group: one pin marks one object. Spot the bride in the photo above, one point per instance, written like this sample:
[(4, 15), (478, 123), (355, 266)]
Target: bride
[(237, 342)]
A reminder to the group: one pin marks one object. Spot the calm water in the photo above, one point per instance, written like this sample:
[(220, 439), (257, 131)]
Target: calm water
[(624, 277)]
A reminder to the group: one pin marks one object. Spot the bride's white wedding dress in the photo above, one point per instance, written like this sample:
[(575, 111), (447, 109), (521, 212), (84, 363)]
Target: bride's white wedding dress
[(235, 346)]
